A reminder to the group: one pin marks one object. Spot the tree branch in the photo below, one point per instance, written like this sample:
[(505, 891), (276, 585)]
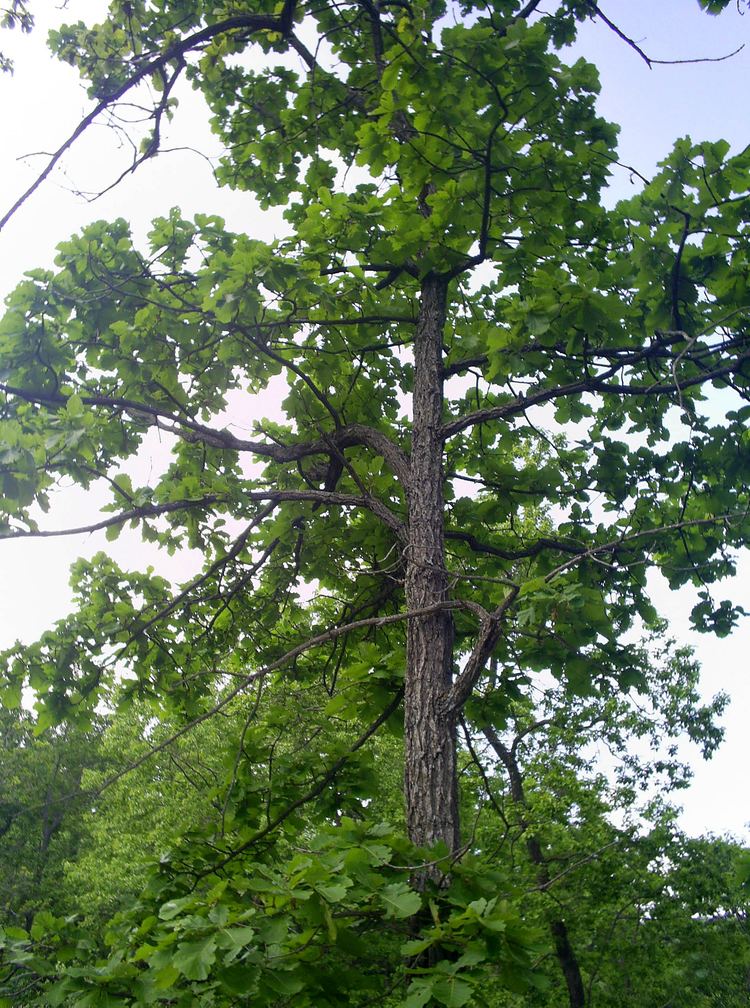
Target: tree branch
[(528, 10), (144, 511), (246, 22), (519, 405), (661, 340), (488, 636), (349, 436), (597, 384), (314, 791), (316, 641), (366, 502), (649, 60), (614, 544), (540, 544)]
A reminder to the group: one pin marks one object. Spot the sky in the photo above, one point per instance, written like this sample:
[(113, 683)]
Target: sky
[(43, 101)]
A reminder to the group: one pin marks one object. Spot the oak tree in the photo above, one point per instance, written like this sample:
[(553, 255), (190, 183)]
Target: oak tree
[(500, 397)]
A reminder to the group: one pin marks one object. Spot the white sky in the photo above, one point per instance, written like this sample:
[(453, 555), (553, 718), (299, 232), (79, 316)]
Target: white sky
[(43, 101)]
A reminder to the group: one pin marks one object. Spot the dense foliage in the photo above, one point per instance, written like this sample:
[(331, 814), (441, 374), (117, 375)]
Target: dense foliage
[(542, 814), (500, 402)]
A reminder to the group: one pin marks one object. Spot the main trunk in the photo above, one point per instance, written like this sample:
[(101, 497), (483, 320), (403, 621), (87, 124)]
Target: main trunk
[(430, 763)]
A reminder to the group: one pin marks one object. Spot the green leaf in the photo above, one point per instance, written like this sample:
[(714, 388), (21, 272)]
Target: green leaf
[(452, 992), (74, 406), (172, 908), (237, 937), (532, 585), (195, 959), (399, 900), (166, 977), (419, 994), (334, 892)]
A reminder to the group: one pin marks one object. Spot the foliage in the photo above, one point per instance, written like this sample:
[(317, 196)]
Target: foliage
[(500, 414), (630, 905), (40, 795), (17, 15), (325, 909), (137, 812)]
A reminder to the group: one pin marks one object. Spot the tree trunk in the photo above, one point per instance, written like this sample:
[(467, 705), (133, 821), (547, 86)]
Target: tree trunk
[(430, 784), (566, 957)]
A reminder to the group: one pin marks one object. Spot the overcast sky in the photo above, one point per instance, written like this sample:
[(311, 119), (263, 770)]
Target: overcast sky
[(42, 103)]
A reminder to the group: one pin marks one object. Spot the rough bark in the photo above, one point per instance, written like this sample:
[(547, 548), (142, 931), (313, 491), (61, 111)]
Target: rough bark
[(430, 764)]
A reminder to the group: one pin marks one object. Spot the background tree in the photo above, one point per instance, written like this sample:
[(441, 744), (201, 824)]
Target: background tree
[(590, 888), (496, 393), (595, 841), (40, 799)]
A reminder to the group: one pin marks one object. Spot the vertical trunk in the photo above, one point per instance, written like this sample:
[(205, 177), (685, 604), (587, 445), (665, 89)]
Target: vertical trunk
[(568, 964), (564, 952), (430, 763)]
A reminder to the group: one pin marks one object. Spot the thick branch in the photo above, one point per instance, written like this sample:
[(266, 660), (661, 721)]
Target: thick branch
[(190, 430), (528, 10), (518, 405), (529, 551), (488, 636), (367, 502)]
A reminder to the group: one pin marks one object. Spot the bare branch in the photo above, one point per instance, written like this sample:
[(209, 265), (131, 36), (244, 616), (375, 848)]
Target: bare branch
[(249, 23), (649, 60), (144, 511), (574, 866)]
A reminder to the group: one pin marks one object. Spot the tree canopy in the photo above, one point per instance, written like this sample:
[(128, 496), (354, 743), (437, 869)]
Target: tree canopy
[(505, 402)]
